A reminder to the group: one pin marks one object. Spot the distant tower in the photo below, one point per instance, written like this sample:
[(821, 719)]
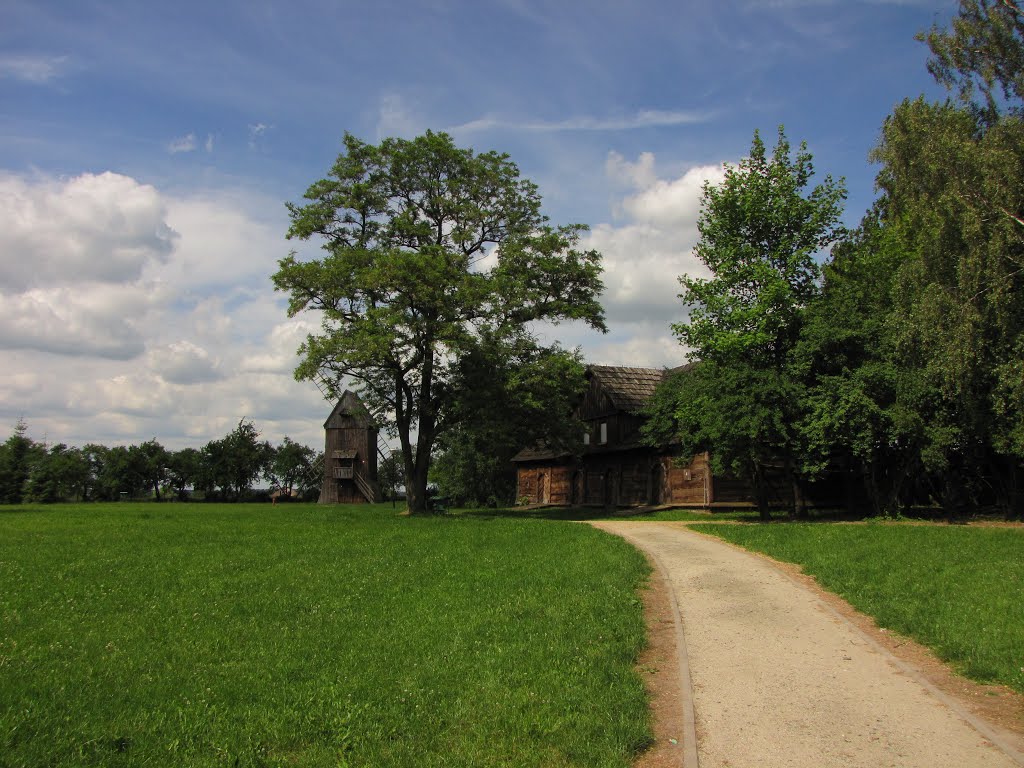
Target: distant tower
[(350, 454)]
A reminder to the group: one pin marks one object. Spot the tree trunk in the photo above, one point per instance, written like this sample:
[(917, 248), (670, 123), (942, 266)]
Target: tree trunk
[(416, 489), (761, 493)]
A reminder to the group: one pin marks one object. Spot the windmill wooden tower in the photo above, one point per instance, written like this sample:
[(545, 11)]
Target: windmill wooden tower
[(350, 454)]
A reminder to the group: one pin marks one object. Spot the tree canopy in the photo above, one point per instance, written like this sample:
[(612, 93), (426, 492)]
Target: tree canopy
[(431, 252), (762, 232)]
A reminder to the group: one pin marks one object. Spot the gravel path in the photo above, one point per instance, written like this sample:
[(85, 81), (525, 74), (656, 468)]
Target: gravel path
[(781, 679)]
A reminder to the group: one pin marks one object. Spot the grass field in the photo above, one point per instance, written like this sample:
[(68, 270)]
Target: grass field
[(956, 589), (202, 635)]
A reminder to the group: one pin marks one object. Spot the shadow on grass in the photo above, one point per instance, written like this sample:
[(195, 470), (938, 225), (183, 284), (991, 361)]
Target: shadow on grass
[(744, 515), (657, 514)]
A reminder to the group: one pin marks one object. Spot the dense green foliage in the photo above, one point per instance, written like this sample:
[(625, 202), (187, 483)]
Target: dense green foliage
[(903, 364), (760, 232), (955, 589), (528, 400), (982, 56), (433, 255), (310, 636), (223, 469)]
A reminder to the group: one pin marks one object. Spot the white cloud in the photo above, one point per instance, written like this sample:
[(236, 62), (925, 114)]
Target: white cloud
[(90, 319), (182, 362), (649, 118), (226, 239), (185, 143), (277, 354), (256, 133), (135, 394), (645, 254), (642, 347), (639, 174), (103, 228), (209, 143), (32, 69), (127, 314), (673, 203)]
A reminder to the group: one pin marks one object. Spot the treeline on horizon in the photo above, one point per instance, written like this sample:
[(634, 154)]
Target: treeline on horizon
[(901, 359), (222, 470)]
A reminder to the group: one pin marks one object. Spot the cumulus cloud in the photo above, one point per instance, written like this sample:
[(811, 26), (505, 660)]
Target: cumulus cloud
[(102, 228), (638, 174), (88, 319), (185, 143), (643, 346), (182, 362), (646, 247), (277, 354), (224, 241), (127, 313), (652, 244), (674, 202)]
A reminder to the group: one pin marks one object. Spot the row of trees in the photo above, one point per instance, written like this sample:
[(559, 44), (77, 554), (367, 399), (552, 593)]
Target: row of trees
[(225, 469), (901, 357)]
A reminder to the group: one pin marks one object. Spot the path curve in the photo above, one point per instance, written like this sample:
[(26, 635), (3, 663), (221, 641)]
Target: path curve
[(779, 678)]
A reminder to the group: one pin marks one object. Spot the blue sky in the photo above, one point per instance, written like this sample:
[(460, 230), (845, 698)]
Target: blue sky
[(146, 151)]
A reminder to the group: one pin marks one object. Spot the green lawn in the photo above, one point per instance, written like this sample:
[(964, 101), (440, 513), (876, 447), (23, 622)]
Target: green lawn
[(251, 635), (956, 589)]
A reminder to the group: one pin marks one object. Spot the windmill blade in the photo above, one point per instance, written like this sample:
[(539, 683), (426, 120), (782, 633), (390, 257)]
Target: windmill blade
[(323, 385), (315, 472)]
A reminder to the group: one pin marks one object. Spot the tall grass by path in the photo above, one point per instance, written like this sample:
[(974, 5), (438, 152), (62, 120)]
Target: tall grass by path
[(957, 589), (251, 635)]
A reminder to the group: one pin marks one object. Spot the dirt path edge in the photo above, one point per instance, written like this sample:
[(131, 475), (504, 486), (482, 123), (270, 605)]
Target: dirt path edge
[(959, 702), (688, 757), (996, 736)]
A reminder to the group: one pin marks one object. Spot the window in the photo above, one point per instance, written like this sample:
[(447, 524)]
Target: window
[(604, 433), (586, 438)]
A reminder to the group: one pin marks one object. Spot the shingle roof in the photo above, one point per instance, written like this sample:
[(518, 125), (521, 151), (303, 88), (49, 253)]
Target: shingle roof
[(351, 406), (538, 453), (629, 388)]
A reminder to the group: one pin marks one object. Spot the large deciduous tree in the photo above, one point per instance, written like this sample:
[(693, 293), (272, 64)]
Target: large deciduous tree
[(955, 207), (982, 56), (762, 233), (430, 250), (291, 465), (234, 462), (760, 236)]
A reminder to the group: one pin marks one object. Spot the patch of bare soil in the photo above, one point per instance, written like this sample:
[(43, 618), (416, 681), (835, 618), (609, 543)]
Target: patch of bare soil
[(658, 668)]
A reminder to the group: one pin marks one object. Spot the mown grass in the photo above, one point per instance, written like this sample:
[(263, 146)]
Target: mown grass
[(207, 635), (957, 589)]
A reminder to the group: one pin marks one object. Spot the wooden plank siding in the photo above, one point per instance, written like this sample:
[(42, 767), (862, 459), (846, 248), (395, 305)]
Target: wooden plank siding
[(350, 452), (621, 471)]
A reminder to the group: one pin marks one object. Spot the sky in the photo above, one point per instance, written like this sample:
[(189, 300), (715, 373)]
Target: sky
[(147, 151)]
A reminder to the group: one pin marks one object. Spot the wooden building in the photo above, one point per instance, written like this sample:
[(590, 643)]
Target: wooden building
[(614, 468), (350, 454)]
